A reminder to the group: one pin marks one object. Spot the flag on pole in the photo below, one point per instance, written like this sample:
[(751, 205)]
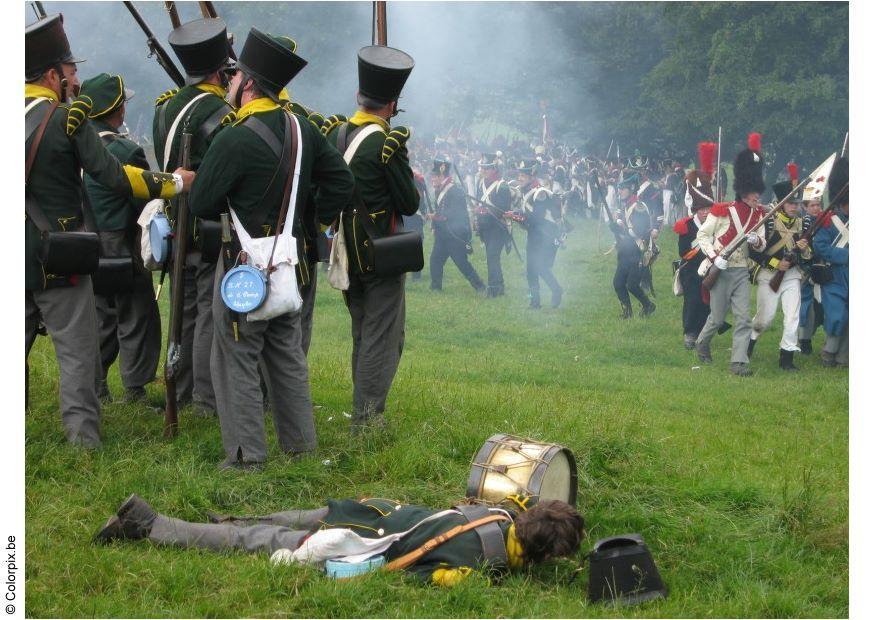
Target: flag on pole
[(814, 189)]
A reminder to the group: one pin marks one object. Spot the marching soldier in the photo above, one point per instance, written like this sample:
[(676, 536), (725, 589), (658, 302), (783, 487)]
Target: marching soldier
[(202, 48), (633, 228), (831, 243), (698, 195), (811, 310), (452, 227), (784, 249), (59, 145), (495, 200), (245, 169), (724, 223), (129, 323), (385, 192), (539, 215)]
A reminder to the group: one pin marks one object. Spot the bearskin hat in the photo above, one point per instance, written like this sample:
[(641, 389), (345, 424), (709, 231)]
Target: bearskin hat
[(782, 188), (748, 168), (698, 182), (838, 178)]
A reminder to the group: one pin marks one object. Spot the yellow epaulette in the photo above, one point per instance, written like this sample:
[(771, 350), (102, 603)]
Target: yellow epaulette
[(317, 119), (397, 137), (168, 94), (77, 113), (333, 121), (229, 119)]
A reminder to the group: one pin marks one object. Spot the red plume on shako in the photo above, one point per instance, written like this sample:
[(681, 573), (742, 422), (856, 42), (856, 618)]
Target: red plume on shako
[(793, 170)]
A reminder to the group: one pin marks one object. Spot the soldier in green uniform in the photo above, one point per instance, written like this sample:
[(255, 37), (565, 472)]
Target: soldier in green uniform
[(202, 48), (129, 323), (243, 169), (550, 529), (59, 144), (386, 191)]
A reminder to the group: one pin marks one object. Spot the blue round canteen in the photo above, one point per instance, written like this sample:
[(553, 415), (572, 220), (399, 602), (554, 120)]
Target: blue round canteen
[(337, 569), (244, 288), (159, 237)]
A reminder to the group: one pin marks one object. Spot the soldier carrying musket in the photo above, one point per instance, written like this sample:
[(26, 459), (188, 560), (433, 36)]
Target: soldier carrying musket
[(60, 144)]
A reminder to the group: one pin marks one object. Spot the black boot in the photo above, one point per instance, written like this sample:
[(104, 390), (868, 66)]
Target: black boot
[(785, 361), (133, 521), (805, 345), (750, 345), (649, 309)]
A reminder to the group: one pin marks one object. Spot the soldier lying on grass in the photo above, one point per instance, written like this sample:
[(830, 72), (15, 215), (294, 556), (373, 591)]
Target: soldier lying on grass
[(355, 530)]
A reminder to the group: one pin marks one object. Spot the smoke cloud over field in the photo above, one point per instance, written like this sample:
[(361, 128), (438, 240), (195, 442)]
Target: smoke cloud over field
[(503, 56)]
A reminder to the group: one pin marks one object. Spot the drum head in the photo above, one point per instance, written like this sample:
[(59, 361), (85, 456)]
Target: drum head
[(558, 482)]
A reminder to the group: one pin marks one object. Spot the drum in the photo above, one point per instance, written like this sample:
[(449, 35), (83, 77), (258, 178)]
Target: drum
[(508, 465)]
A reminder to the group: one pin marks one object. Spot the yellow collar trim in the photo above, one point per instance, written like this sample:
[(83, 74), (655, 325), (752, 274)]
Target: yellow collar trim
[(360, 118), (262, 104), (35, 90), (217, 90), (514, 549), (785, 218)]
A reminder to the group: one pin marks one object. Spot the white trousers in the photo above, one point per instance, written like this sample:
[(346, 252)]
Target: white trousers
[(790, 296)]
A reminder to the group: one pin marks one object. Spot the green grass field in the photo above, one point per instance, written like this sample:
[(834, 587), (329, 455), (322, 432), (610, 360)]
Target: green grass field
[(739, 486)]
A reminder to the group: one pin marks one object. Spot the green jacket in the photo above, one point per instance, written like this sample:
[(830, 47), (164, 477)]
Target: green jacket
[(113, 211), (374, 518), (210, 108), (55, 183), (204, 123), (386, 189), (239, 166)]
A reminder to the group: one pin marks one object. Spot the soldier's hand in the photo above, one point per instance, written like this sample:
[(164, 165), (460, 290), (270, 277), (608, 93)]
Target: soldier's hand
[(187, 178), (784, 265), (654, 233), (802, 244)]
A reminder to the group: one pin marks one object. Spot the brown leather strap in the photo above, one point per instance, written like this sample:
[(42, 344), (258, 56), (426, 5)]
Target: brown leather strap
[(280, 223), (411, 558), (37, 138)]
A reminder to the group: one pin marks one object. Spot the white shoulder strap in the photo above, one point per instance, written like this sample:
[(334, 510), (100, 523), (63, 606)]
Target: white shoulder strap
[(443, 193), (357, 141), (30, 106), (168, 141), (844, 236)]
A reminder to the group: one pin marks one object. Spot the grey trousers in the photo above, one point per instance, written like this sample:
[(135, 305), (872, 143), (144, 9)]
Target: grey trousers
[(376, 307), (129, 324), (308, 294), (839, 346), (194, 381), (235, 364), (731, 289), (283, 530), (71, 321)]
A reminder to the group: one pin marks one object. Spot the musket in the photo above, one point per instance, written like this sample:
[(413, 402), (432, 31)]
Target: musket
[(209, 11), (610, 148), (719, 145), (775, 282), (380, 35), (38, 9), (844, 146), (174, 334), (174, 16), (713, 272), (155, 48)]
